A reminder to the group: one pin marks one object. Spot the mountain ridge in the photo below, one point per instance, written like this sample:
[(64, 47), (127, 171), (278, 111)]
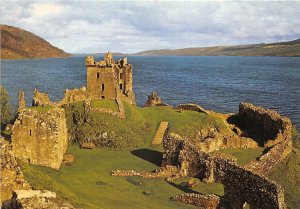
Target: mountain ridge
[(17, 43), (288, 48)]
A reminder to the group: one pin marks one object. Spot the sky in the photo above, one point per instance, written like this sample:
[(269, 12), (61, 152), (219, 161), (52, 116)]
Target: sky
[(132, 26)]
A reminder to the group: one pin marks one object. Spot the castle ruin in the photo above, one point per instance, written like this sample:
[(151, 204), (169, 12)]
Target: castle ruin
[(108, 79), (40, 137)]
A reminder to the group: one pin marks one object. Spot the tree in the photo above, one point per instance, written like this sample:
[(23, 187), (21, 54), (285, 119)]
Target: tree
[(6, 111)]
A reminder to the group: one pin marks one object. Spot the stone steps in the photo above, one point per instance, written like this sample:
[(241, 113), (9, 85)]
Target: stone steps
[(160, 133)]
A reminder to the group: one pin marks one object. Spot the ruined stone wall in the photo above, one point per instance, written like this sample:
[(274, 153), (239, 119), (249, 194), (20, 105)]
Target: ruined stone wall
[(74, 95), (204, 201), (22, 102), (273, 126), (40, 138), (98, 76), (192, 107), (40, 99), (270, 124), (11, 177), (240, 184)]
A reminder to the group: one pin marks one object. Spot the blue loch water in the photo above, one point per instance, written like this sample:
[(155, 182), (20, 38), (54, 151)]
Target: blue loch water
[(217, 83)]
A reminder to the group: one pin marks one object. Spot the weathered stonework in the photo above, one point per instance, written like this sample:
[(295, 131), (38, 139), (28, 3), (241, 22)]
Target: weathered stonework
[(40, 138), (192, 107), (274, 127), (153, 100), (210, 139), (109, 80), (205, 201), (11, 177), (40, 99), (277, 131), (22, 103), (240, 184), (74, 95)]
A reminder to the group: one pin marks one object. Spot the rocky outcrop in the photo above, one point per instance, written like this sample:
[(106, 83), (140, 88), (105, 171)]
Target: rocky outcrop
[(10, 172), (40, 138)]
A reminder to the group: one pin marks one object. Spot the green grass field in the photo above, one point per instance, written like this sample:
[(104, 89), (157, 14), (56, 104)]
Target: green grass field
[(105, 103), (88, 182)]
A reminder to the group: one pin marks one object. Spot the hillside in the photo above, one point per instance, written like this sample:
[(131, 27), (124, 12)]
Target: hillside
[(20, 44), (291, 48)]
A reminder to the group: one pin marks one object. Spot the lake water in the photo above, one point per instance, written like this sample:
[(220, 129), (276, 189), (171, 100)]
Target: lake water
[(217, 83)]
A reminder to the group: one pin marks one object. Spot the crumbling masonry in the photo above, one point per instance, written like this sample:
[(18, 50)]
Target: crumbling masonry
[(40, 138), (242, 185)]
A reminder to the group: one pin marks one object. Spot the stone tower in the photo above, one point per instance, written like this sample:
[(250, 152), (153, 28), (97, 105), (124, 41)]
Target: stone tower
[(22, 103), (108, 79)]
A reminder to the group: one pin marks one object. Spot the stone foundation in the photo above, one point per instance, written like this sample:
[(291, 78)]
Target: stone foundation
[(205, 201), (240, 184)]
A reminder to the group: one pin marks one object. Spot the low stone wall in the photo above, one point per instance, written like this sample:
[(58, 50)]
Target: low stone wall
[(274, 127), (267, 161), (162, 172), (240, 184), (193, 107), (206, 201)]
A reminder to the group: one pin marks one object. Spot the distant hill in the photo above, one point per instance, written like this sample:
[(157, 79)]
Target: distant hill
[(290, 48), (17, 43)]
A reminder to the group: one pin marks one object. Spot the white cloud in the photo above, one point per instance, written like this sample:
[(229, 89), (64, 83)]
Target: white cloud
[(97, 26)]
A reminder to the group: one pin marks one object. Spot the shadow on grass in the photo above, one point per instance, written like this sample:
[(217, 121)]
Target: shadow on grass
[(149, 155), (183, 188)]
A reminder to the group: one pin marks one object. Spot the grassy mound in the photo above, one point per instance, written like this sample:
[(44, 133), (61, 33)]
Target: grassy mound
[(104, 103), (137, 129)]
